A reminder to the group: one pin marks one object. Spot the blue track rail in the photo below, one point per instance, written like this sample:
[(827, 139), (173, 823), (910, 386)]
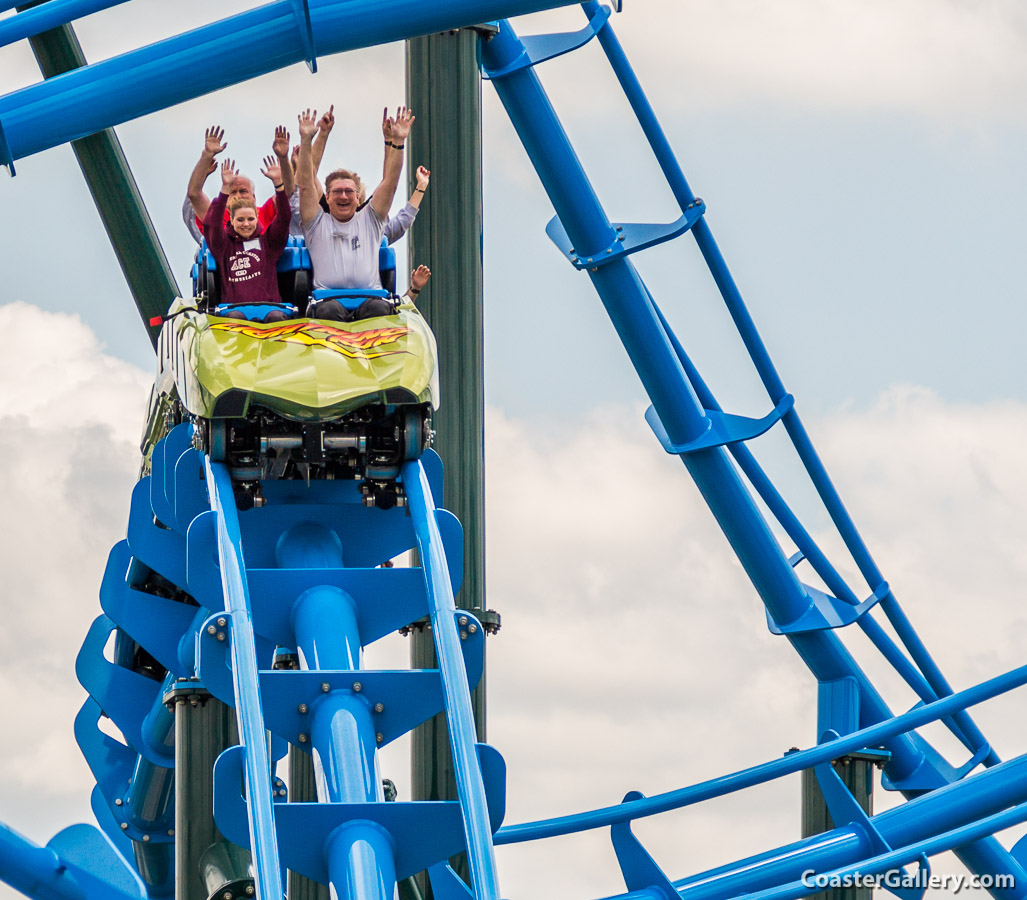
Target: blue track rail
[(245, 668)]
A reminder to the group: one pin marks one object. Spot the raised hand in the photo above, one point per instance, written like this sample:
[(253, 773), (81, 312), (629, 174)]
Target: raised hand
[(273, 169), (228, 173), (280, 145), (423, 176), (419, 278), (386, 125), (307, 123), (212, 140), (327, 121), (402, 123)]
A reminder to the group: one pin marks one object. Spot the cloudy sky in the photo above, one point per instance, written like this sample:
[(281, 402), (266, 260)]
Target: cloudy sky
[(862, 167)]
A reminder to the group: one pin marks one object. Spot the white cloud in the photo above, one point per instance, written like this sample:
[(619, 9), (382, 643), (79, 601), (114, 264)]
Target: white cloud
[(633, 653), (71, 417), (942, 60), (69, 422), (62, 374), (943, 494)]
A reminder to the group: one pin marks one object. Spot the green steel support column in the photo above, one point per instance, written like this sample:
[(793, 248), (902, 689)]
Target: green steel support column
[(303, 789), (857, 773), (114, 191), (444, 92), (205, 862)]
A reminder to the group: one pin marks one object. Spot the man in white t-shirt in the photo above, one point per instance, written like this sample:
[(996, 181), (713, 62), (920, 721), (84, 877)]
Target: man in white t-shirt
[(343, 242)]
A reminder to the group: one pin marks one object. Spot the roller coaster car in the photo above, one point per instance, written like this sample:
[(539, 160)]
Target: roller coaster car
[(302, 398)]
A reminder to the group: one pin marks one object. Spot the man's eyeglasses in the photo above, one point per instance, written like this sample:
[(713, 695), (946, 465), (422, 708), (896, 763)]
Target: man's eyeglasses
[(342, 192)]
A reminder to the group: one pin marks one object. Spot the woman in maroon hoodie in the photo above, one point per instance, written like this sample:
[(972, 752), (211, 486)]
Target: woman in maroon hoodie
[(247, 253)]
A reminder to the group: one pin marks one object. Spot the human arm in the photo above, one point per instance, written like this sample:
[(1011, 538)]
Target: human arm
[(305, 168), (280, 147), (213, 222), (277, 230), (189, 218), (423, 176), (207, 164), (398, 225), (418, 279), (294, 208), (387, 137), (318, 188), (324, 128), (381, 201)]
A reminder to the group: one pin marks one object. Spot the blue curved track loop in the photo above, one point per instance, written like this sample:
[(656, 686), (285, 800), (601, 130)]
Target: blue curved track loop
[(199, 590)]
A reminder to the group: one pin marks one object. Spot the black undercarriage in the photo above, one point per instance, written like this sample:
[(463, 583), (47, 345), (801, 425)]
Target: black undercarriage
[(367, 445)]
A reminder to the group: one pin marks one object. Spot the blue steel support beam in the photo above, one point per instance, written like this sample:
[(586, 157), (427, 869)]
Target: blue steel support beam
[(961, 724), (939, 821), (954, 807), (35, 871), (625, 299), (142, 81), (360, 858), (627, 303), (888, 862), (78, 863), (252, 733), (48, 15)]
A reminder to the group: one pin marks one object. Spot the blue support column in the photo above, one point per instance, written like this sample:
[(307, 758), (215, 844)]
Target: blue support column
[(360, 857)]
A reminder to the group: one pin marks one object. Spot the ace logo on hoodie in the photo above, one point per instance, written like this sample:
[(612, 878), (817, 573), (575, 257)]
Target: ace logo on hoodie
[(243, 266)]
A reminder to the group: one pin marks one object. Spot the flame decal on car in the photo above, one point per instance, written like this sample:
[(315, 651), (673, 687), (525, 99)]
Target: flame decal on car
[(354, 344)]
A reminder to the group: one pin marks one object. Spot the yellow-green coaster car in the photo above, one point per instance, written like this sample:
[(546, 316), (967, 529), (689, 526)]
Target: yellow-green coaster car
[(302, 398)]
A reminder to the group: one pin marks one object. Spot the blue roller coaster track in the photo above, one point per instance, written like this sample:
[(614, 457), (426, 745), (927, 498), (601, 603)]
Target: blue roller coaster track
[(303, 571)]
